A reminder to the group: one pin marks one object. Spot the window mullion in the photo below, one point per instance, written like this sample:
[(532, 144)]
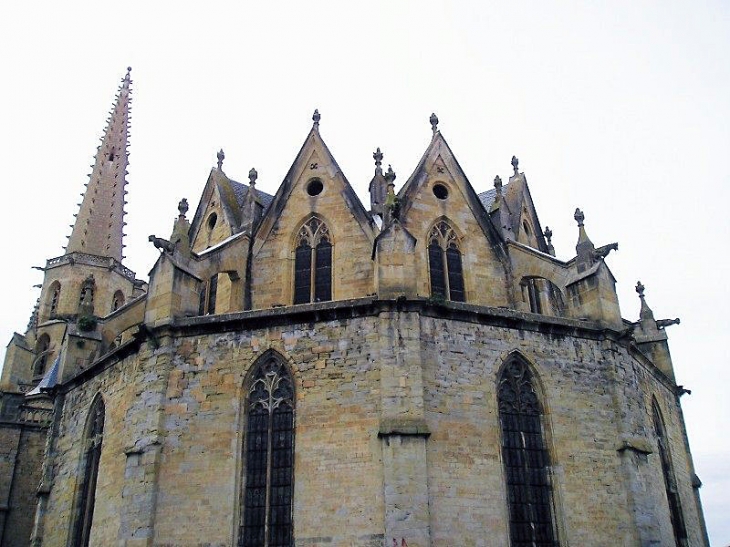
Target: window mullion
[(312, 273), (444, 261)]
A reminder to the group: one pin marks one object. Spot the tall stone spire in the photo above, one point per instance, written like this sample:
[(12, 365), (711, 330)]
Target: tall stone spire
[(99, 225)]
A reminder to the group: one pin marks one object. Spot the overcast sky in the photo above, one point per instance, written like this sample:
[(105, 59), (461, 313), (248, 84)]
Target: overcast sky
[(622, 109)]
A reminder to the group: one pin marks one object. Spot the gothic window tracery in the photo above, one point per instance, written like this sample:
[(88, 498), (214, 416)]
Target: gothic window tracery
[(444, 261), (525, 459), (93, 438), (670, 481), (269, 454), (313, 263)]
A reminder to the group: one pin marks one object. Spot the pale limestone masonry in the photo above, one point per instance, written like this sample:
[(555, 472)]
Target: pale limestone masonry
[(397, 433)]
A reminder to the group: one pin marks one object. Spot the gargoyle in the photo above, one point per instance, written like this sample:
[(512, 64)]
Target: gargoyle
[(162, 244), (661, 323), (602, 252)]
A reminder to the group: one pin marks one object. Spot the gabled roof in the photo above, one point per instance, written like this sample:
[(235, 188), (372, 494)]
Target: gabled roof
[(49, 380), (481, 213), (240, 190), (233, 195), (279, 200)]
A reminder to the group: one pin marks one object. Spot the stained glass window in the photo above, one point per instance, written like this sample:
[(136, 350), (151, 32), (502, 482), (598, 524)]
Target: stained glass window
[(313, 263), (269, 454), (526, 460), (444, 263), (90, 464)]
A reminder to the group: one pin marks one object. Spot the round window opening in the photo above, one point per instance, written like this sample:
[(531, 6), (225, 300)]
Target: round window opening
[(212, 219), (315, 187), (440, 191)]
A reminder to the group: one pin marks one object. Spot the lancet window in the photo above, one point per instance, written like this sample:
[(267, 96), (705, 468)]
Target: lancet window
[(525, 458), (444, 263), (118, 300), (269, 457), (91, 456), (670, 481), (313, 263), (42, 351), (55, 295)]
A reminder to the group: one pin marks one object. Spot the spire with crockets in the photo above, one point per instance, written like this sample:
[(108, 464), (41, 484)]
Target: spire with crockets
[(99, 226)]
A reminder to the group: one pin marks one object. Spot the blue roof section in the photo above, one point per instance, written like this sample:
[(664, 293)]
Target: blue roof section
[(241, 190), (50, 379)]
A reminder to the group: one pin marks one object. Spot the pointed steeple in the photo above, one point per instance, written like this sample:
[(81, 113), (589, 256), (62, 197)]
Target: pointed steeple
[(99, 225)]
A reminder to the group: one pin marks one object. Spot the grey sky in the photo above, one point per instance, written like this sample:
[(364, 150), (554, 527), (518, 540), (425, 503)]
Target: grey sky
[(620, 108)]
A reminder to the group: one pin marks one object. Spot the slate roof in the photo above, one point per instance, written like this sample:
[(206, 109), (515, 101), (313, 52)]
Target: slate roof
[(487, 198), (241, 190), (50, 379)]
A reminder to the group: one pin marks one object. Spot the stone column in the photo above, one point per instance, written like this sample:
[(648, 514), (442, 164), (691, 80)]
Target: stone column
[(145, 422), (403, 432)]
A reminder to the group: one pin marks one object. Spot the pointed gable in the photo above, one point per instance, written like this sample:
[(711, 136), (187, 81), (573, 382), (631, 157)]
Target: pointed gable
[(314, 186), (439, 191), (220, 212), (525, 223)]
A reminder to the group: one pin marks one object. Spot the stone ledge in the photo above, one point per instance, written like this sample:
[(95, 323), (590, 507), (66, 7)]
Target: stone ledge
[(403, 426)]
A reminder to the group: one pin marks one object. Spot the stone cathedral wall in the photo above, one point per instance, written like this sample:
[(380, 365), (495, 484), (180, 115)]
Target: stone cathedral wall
[(173, 436)]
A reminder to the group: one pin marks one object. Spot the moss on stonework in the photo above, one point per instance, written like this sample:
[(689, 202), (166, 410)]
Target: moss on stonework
[(86, 323)]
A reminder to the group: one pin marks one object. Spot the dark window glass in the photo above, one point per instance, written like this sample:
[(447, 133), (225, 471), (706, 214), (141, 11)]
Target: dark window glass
[(533, 293), (456, 277), (55, 295), (302, 273), (436, 267), (212, 293), (526, 462), (269, 452), (201, 301), (41, 361), (323, 273), (91, 458), (670, 481), (444, 263)]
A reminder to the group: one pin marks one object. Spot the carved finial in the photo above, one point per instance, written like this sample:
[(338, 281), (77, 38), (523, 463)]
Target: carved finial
[(378, 157), (390, 175), (316, 117), (127, 76), (579, 217), (434, 119), (183, 207), (515, 164), (498, 184), (548, 233), (221, 156), (640, 289), (252, 176)]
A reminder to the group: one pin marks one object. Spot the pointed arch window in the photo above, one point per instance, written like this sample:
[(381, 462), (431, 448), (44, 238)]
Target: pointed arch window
[(90, 458), (525, 458), (313, 263), (269, 455), (444, 263), (42, 352), (118, 300), (54, 296), (670, 481)]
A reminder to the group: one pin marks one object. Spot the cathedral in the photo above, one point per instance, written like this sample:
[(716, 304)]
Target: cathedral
[(300, 369)]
